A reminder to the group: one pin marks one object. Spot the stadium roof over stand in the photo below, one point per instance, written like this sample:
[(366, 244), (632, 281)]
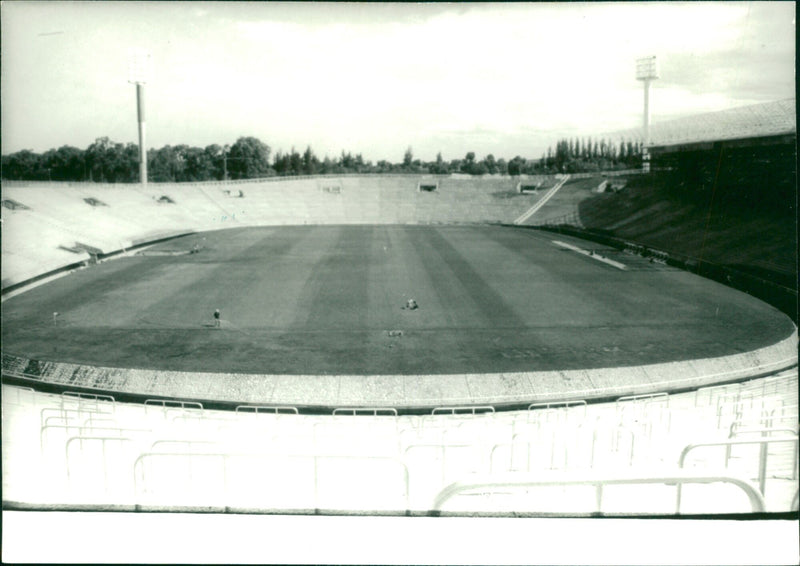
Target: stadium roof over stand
[(769, 119)]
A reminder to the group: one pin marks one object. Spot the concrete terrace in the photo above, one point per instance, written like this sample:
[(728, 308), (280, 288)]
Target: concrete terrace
[(61, 221), (71, 452)]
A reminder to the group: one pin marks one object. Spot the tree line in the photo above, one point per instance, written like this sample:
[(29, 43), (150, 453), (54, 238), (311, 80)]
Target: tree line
[(106, 161), (587, 155)]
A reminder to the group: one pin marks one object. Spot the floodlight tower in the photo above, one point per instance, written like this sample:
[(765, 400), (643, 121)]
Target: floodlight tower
[(138, 74), (646, 70)]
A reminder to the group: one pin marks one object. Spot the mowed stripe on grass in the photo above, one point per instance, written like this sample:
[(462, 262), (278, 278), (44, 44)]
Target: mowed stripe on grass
[(217, 278), (326, 300), (334, 296)]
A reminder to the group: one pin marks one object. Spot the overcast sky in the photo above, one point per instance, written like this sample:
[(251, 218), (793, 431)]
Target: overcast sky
[(507, 79)]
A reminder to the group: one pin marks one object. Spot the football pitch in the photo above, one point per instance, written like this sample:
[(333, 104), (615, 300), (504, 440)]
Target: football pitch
[(328, 300)]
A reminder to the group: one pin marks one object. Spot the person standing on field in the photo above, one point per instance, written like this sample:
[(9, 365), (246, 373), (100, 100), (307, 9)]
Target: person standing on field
[(216, 318)]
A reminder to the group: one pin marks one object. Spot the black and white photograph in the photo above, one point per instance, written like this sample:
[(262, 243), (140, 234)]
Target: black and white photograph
[(399, 283)]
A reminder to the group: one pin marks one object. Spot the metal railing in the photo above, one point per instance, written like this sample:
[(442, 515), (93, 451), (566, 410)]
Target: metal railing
[(373, 411), (504, 482), (277, 410), (166, 404), (561, 449), (103, 440), (647, 397), (85, 396), (463, 410), (71, 415), (762, 455), (536, 409), (226, 458), (18, 394), (765, 433), (440, 449)]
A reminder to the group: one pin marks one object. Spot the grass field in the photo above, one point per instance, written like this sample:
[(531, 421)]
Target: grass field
[(327, 300)]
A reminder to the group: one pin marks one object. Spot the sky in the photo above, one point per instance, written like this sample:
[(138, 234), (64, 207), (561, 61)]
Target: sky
[(376, 78)]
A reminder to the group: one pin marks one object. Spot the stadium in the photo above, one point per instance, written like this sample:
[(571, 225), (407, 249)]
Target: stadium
[(408, 344), (219, 349)]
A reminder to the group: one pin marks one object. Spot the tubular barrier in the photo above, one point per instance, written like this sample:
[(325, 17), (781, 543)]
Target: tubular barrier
[(467, 409), (266, 409), (762, 457), (166, 404), (598, 480), (140, 477), (374, 411)]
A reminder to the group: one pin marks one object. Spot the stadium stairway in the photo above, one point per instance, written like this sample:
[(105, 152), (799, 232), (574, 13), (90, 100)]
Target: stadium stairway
[(737, 444), (546, 197)]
